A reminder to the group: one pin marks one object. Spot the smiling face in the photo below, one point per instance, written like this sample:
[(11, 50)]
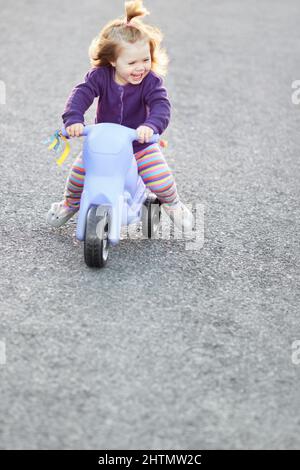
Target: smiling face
[(133, 63)]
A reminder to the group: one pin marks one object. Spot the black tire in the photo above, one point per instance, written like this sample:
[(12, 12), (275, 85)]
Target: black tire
[(96, 237), (151, 214)]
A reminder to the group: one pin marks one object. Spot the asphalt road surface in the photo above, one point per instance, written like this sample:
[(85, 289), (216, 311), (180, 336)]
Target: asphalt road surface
[(171, 346)]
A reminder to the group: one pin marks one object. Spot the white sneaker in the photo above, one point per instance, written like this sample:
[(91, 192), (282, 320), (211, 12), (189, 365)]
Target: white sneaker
[(59, 214), (181, 216)]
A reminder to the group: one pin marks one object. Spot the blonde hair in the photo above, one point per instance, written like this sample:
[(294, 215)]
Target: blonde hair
[(106, 47)]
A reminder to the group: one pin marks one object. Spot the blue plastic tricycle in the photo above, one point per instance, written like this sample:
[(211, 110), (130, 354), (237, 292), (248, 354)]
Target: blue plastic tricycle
[(114, 194)]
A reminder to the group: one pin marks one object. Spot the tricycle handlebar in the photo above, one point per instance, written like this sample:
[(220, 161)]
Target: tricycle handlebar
[(154, 139)]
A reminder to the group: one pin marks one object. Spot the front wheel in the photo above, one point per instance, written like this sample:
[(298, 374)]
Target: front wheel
[(96, 237)]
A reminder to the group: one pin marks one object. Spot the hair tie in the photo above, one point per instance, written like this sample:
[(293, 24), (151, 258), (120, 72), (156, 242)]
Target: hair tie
[(129, 24)]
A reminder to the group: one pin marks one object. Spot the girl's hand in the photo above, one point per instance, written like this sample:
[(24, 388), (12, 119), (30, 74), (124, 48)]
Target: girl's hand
[(75, 130), (144, 133)]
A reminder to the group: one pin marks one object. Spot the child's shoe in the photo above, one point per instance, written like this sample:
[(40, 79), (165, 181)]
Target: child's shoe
[(59, 213), (181, 216)]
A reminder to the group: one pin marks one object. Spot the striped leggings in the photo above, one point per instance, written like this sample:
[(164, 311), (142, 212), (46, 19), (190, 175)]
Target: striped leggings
[(152, 167)]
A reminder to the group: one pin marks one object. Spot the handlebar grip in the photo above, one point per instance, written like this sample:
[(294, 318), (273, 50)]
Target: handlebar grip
[(154, 139), (65, 134)]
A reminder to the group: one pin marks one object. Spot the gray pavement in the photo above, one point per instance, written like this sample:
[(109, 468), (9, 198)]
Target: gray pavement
[(166, 348)]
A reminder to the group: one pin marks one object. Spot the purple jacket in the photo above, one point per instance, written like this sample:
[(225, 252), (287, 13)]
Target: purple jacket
[(130, 105)]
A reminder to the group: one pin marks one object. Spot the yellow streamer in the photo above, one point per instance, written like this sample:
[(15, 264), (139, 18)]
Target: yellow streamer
[(65, 153), (55, 141)]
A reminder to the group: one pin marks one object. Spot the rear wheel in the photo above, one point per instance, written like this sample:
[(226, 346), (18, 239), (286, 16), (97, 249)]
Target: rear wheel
[(151, 213), (96, 237)]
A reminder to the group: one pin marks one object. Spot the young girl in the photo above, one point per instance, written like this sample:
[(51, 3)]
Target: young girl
[(127, 64)]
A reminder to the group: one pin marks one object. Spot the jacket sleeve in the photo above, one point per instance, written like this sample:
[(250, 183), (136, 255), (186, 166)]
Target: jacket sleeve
[(156, 98), (82, 97)]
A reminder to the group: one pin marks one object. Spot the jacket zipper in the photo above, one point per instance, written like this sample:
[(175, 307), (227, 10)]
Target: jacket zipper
[(122, 92)]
